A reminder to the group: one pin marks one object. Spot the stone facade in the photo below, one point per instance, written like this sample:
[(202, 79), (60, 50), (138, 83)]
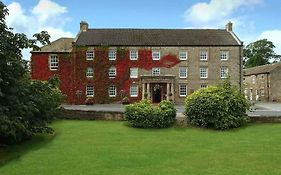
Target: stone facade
[(166, 85), (263, 83)]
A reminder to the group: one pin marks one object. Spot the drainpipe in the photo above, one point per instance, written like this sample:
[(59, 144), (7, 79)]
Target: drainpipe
[(241, 66)]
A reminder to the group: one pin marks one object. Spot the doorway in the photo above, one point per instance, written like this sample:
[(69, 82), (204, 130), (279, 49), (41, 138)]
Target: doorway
[(158, 92)]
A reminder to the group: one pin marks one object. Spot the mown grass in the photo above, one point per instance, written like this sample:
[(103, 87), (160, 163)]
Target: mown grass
[(108, 147)]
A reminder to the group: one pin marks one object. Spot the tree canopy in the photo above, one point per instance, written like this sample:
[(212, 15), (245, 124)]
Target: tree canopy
[(25, 105), (259, 53)]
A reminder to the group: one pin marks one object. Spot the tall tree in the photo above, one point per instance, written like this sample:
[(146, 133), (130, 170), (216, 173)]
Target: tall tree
[(25, 105), (259, 53)]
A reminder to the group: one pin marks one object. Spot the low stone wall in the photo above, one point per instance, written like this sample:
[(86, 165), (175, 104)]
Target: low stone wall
[(114, 115), (90, 115)]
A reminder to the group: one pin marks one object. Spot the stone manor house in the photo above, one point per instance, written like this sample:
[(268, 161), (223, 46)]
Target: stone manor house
[(106, 65)]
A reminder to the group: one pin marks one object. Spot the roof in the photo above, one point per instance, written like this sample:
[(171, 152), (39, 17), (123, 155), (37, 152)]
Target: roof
[(59, 45), (261, 69), (157, 37)]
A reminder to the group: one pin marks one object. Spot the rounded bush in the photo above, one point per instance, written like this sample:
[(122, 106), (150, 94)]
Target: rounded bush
[(144, 115), (221, 107)]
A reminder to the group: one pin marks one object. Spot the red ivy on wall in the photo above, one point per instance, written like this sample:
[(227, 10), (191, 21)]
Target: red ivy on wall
[(72, 72)]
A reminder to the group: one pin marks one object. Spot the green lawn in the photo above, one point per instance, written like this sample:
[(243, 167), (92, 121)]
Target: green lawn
[(108, 147)]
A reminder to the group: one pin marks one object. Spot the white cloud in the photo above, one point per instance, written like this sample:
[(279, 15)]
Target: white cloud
[(274, 36), (46, 9), (45, 16), (216, 13)]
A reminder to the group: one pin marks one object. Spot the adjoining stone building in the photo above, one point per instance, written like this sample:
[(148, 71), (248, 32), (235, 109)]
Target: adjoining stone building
[(106, 65), (263, 83)]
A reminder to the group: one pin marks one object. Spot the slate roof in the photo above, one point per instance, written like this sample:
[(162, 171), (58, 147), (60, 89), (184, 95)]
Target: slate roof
[(59, 45), (157, 37), (261, 69)]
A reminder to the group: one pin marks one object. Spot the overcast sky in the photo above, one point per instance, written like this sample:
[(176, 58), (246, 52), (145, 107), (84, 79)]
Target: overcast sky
[(253, 19)]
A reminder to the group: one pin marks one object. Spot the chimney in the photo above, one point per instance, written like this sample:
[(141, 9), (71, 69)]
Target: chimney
[(84, 26), (228, 27)]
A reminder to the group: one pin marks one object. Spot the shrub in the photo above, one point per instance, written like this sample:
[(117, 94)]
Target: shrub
[(221, 107), (144, 115)]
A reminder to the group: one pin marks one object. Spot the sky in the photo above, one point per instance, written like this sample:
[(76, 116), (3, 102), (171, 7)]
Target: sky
[(252, 19)]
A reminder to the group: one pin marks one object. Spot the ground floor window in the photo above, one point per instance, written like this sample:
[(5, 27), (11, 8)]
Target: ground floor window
[(90, 91), (182, 90), (134, 90), (203, 86), (112, 91)]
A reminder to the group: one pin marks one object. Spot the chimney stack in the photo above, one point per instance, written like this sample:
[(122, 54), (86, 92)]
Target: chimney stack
[(228, 27), (84, 26)]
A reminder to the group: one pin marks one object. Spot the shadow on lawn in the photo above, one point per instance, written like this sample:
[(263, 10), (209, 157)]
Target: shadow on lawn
[(14, 152)]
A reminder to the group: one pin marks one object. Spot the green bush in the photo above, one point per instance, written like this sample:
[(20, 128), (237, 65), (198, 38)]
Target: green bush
[(221, 107), (144, 115)]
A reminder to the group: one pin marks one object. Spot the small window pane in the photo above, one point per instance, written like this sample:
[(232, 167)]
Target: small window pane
[(156, 55), (183, 72), (203, 55), (112, 54), (203, 86), (112, 91), (54, 62), (133, 54), (182, 90), (112, 72), (155, 71), (89, 55), (134, 90), (224, 55), (183, 55), (90, 91), (224, 72), (203, 72), (134, 72), (90, 72)]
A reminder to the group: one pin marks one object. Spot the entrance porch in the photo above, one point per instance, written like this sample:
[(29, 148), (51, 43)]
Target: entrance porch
[(157, 88)]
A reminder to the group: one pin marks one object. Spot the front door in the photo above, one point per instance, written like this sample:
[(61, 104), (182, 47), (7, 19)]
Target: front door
[(157, 96)]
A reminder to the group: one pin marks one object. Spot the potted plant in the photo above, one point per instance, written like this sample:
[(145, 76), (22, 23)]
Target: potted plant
[(145, 95), (89, 101)]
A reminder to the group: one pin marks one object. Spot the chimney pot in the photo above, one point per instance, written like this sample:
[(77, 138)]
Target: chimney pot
[(228, 27), (84, 26)]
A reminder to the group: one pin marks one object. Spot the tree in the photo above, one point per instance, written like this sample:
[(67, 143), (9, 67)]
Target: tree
[(25, 105), (259, 53)]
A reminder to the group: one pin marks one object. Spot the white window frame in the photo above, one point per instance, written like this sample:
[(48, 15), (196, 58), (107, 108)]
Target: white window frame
[(112, 72), (156, 71), (112, 91), (134, 72), (182, 87), (90, 91), (203, 55), (112, 54), (134, 90), (203, 71), (223, 72), (181, 53), (224, 55), (134, 55), (89, 55), (53, 62), (183, 74), (90, 72), (156, 55)]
